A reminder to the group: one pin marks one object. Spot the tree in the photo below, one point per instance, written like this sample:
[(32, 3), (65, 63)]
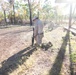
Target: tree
[(12, 4), (5, 7), (48, 11), (29, 4)]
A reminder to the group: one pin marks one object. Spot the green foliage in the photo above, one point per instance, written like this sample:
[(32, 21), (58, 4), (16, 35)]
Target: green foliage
[(21, 9), (48, 11), (73, 56), (1, 15)]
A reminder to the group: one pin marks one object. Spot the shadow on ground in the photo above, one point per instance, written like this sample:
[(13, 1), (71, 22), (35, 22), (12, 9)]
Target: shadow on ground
[(70, 53), (14, 61), (56, 68)]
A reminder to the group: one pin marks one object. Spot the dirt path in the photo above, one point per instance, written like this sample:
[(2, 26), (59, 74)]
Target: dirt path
[(11, 39)]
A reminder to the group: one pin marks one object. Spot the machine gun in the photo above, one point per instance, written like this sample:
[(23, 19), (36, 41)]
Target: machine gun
[(33, 38)]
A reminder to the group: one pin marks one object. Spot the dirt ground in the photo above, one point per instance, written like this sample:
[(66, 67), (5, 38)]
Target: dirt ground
[(11, 39), (18, 57)]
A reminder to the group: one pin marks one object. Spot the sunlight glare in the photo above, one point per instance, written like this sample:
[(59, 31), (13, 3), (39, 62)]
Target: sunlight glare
[(71, 1)]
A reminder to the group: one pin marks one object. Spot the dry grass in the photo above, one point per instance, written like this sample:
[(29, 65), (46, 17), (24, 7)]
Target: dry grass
[(46, 62)]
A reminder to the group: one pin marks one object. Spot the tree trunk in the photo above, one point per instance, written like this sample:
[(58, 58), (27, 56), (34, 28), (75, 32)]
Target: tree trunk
[(5, 16), (14, 13), (11, 18), (70, 16), (30, 12), (38, 13)]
